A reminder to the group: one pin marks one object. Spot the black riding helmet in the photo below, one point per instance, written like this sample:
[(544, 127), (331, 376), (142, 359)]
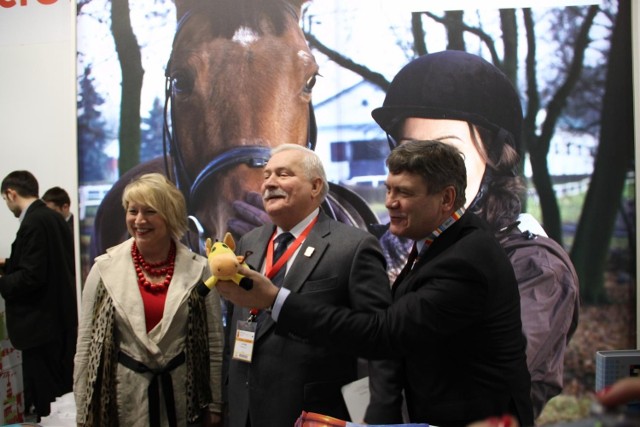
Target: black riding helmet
[(455, 85)]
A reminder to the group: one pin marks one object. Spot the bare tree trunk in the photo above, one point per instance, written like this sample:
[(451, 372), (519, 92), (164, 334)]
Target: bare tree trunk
[(132, 72), (509, 29), (455, 33), (538, 144), (419, 44), (613, 161), (509, 67)]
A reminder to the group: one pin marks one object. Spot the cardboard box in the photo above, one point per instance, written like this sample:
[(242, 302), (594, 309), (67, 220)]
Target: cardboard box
[(9, 356), (11, 396), (3, 323), (11, 382)]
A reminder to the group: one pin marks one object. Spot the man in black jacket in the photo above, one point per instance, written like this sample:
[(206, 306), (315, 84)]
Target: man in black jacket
[(455, 317), (58, 199), (38, 286)]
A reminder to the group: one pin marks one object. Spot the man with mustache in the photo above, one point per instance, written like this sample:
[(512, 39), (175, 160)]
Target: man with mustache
[(272, 378), (455, 317)]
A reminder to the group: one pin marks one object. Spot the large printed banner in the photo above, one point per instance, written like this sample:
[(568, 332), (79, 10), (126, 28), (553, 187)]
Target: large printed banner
[(148, 101)]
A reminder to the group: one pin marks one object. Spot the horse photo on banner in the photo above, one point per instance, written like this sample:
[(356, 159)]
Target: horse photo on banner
[(222, 115), (201, 90)]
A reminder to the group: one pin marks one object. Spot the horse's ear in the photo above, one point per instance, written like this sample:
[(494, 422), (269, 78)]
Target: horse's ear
[(298, 3), (183, 6)]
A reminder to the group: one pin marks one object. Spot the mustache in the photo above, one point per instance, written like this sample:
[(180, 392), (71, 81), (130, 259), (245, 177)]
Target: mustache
[(276, 192)]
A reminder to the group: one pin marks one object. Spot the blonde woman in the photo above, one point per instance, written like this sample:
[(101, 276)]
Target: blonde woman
[(149, 349)]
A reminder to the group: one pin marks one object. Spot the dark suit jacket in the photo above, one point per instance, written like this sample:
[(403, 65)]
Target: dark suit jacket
[(69, 222), (455, 321), (39, 285), (288, 375)]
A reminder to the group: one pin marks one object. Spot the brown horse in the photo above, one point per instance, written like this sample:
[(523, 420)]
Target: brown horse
[(239, 81)]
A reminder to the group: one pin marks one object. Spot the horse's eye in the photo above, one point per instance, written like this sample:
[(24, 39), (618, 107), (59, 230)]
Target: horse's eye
[(310, 84), (183, 82)]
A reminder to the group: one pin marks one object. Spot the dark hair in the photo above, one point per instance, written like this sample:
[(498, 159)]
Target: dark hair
[(440, 165), (457, 85), (58, 196), (498, 198), (22, 182)]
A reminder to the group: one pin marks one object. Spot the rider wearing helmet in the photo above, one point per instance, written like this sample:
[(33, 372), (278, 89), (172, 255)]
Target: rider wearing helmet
[(461, 99), (457, 86)]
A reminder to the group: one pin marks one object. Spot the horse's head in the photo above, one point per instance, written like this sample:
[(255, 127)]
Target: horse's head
[(239, 79)]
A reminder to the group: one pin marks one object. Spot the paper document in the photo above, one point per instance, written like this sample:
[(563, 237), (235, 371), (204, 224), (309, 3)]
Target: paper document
[(356, 397)]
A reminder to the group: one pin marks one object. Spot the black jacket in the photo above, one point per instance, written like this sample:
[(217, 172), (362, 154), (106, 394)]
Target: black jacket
[(335, 265), (455, 322), (39, 281)]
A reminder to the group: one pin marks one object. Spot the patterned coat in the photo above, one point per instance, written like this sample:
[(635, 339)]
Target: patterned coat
[(114, 273)]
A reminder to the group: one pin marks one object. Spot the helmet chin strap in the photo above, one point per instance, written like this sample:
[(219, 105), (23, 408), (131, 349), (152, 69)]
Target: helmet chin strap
[(478, 201)]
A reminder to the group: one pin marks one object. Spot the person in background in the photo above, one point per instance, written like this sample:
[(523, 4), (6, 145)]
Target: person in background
[(58, 199), (273, 378), (39, 289), (149, 344), (455, 316), (464, 101)]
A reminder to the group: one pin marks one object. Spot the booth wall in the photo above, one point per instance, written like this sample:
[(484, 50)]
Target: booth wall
[(38, 101)]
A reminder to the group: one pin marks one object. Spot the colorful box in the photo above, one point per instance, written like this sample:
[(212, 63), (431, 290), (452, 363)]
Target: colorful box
[(11, 380), (11, 396)]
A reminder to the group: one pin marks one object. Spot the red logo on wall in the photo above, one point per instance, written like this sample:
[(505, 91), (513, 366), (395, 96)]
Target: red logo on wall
[(11, 3)]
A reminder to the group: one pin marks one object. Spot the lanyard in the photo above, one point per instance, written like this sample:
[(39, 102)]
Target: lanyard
[(438, 231), (271, 269)]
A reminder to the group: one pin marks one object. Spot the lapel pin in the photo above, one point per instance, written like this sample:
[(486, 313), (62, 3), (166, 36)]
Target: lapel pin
[(309, 251)]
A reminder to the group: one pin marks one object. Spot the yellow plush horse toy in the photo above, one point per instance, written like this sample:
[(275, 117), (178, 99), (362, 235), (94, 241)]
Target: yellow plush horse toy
[(224, 263)]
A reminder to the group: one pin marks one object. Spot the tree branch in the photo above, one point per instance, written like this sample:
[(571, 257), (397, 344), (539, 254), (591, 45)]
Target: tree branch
[(366, 73), (484, 37), (557, 103)]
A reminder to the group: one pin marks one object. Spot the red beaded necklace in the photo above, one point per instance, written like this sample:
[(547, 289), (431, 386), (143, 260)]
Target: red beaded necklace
[(163, 268)]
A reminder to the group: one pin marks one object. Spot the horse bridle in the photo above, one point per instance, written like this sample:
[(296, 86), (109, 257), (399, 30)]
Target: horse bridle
[(254, 156)]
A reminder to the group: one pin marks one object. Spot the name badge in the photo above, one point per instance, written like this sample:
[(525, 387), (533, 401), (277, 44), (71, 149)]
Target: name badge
[(245, 338)]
